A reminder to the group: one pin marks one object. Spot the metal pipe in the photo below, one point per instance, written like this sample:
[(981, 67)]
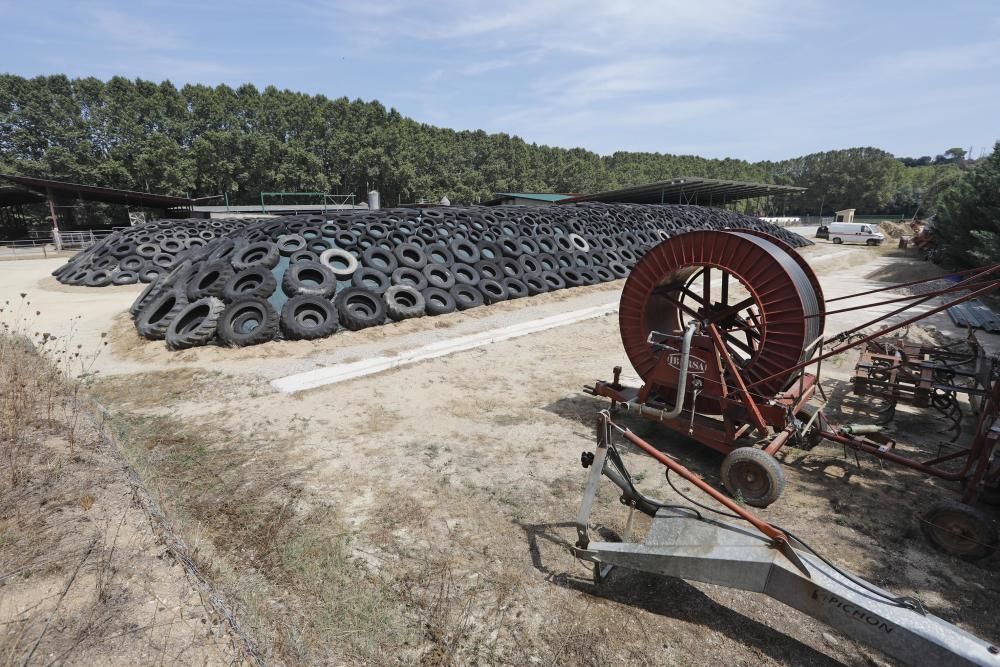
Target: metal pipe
[(761, 525), (678, 408)]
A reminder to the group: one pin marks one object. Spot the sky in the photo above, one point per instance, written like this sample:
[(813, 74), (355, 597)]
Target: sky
[(748, 79)]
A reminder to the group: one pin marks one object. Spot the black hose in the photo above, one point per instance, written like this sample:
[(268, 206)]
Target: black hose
[(907, 602)]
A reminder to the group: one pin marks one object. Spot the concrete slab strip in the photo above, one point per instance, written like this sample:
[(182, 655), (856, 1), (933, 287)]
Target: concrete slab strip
[(349, 371)]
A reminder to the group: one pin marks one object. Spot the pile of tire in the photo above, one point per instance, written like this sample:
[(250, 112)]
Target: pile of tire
[(306, 277), (142, 253)]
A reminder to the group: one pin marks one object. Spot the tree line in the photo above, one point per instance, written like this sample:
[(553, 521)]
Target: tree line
[(201, 141)]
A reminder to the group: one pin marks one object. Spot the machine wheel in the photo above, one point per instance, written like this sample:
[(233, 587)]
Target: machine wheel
[(960, 530), (837, 240), (752, 474)]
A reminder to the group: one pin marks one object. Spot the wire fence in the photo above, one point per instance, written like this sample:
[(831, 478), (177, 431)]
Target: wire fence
[(42, 243)]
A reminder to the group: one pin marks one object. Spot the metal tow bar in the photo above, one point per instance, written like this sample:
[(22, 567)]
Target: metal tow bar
[(761, 558)]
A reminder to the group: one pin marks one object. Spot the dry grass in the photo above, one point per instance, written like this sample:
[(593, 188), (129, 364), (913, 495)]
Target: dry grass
[(286, 561)]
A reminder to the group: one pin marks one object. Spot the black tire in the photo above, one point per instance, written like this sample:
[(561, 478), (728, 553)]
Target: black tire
[(465, 274), (360, 308), (573, 277), (289, 244), (488, 269), (516, 289), (131, 263), (536, 284), (438, 301), (196, 324), (256, 281), (403, 302), (380, 259), (960, 530), (438, 253), (310, 278), (465, 251), (262, 253), (150, 292), (410, 256), (530, 264), (837, 240), (553, 280), (155, 317), (404, 275), (210, 280), (124, 278), (98, 278), (307, 317), (466, 296), (753, 475), (603, 274), (493, 290), (619, 269), (438, 276), (248, 320), (372, 280), (303, 256)]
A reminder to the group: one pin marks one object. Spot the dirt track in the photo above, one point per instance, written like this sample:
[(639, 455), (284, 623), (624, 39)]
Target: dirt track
[(471, 462)]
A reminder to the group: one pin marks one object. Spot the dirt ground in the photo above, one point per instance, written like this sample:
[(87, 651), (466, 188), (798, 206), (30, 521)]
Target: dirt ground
[(450, 487)]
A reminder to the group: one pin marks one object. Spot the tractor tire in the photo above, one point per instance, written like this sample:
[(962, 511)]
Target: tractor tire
[(360, 308), (306, 317), (438, 301), (153, 319), (403, 302), (196, 324), (248, 320), (256, 281)]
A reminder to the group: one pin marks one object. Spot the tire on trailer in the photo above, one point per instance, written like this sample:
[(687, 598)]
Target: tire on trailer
[(248, 320), (306, 317), (360, 308), (960, 530), (403, 302), (753, 475), (196, 324)]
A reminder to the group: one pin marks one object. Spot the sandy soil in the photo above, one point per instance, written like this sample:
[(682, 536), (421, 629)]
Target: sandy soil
[(474, 458)]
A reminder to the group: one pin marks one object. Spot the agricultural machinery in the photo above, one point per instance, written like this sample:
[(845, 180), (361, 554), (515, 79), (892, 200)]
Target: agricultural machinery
[(726, 330)]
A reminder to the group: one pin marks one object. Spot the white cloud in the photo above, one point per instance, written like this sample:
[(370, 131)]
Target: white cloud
[(132, 32)]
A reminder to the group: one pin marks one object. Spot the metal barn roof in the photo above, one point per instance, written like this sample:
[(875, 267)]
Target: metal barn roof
[(62, 189), (687, 190), (550, 197)]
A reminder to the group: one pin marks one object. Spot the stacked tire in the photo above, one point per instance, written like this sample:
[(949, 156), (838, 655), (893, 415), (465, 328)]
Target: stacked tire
[(306, 277), (142, 253)]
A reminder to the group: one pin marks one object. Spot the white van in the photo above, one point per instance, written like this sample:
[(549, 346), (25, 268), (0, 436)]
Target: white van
[(855, 232)]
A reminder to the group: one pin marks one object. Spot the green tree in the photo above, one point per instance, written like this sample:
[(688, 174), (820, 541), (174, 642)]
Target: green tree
[(968, 218)]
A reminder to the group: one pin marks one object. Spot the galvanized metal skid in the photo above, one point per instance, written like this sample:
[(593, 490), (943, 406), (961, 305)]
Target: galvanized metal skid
[(763, 559)]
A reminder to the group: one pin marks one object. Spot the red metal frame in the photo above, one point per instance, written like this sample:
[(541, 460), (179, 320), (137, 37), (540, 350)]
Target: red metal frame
[(726, 408)]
